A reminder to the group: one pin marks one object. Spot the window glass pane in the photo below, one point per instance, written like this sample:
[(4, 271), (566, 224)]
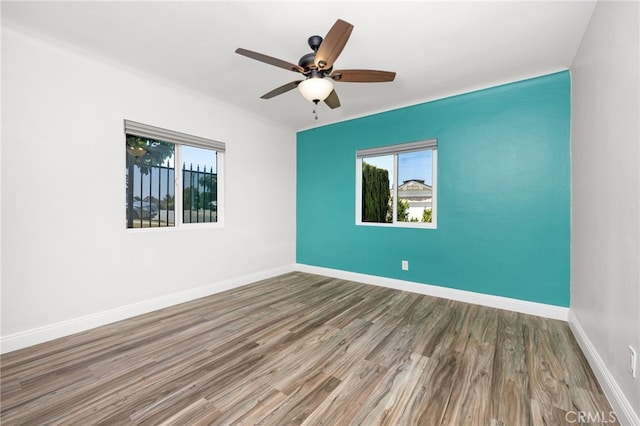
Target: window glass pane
[(415, 184), (397, 184), (200, 185), (150, 189), (377, 181)]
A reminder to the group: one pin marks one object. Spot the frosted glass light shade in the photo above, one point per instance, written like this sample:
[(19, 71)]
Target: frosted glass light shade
[(315, 89)]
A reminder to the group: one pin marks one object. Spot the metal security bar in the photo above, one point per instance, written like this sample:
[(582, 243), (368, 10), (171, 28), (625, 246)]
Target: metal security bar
[(199, 195), (151, 197)]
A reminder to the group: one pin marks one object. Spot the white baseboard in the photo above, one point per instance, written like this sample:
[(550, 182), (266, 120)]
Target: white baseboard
[(49, 332), (531, 308), (620, 404)]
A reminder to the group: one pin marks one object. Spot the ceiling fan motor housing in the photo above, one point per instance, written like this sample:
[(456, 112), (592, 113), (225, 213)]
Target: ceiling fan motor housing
[(306, 61)]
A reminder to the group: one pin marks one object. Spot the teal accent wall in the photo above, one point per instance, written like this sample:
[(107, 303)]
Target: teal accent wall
[(503, 193)]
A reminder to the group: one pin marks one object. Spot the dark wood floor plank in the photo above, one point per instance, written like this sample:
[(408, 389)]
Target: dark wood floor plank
[(470, 399), (546, 378), (389, 401), (347, 400), (302, 401), (256, 414), (306, 349), (357, 346), (510, 404), (573, 362)]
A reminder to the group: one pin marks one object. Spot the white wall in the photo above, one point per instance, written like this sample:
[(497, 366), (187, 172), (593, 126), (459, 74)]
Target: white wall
[(66, 257), (605, 274)]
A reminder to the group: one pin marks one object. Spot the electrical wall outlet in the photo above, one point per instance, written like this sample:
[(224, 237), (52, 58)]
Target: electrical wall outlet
[(405, 265), (633, 362)]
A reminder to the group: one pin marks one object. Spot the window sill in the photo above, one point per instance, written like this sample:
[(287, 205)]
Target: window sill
[(184, 227), (415, 225)]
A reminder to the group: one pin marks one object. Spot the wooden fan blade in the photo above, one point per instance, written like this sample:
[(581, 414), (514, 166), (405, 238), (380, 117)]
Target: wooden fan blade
[(270, 60), (280, 90), (363, 76), (333, 44), (332, 100)]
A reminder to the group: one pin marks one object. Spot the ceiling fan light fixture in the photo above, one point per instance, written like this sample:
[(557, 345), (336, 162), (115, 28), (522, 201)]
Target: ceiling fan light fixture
[(316, 89)]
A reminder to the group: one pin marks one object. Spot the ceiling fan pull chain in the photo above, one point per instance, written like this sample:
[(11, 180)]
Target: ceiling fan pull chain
[(315, 108)]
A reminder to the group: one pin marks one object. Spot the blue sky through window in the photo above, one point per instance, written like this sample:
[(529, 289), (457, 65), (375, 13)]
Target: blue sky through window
[(199, 157), (411, 165)]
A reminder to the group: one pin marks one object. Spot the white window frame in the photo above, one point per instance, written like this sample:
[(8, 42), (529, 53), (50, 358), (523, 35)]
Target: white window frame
[(179, 140), (430, 144)]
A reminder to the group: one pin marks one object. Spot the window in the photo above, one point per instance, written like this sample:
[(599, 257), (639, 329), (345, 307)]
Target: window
[(157, 196), (396, 185)]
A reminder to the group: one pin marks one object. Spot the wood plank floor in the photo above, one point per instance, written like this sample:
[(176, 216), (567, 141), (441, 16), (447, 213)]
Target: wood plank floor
[(307, 349)]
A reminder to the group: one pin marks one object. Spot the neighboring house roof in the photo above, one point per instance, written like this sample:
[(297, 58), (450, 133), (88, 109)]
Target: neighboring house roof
[(414, 190)]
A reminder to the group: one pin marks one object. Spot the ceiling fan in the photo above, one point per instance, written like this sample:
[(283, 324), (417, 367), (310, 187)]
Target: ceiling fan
[(317, 68)]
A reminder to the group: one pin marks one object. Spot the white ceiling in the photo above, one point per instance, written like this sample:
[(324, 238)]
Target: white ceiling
[(436, 48)]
